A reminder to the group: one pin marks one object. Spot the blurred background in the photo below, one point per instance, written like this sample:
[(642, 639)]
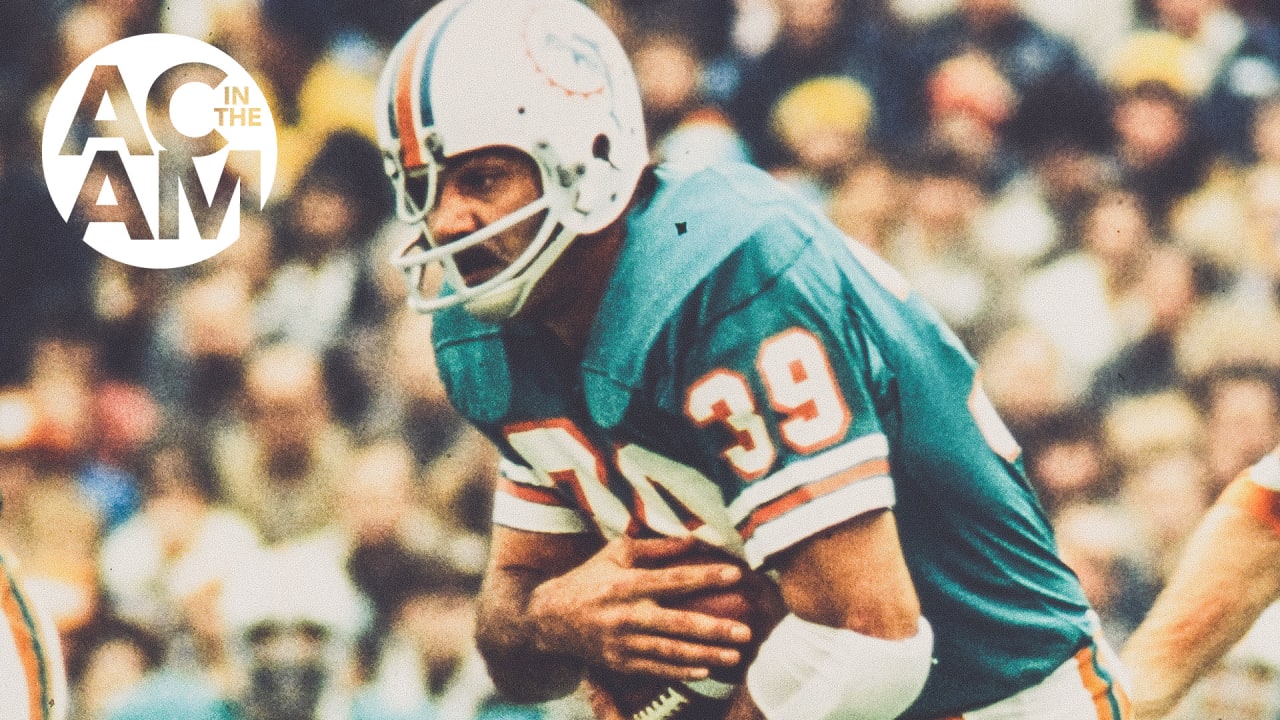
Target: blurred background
[(238, 486)]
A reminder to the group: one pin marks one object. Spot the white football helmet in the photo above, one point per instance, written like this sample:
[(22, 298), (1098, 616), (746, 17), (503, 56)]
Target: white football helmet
[(546, 77)]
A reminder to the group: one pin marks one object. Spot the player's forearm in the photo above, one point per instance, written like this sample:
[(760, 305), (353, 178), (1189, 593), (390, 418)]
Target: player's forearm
[(1228, 575), (507, 638)]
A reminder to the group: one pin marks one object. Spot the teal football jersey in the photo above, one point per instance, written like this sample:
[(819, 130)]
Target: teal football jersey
[(754, 378)]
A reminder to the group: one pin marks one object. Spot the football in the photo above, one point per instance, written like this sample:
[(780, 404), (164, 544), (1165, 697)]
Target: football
[(754, 601)]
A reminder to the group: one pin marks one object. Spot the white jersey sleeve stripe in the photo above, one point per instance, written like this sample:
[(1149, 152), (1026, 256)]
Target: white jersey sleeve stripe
[(816, 515), (521, 514), (807, 471)]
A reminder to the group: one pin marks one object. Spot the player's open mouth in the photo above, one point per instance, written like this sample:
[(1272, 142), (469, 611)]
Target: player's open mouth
[(477, 265)]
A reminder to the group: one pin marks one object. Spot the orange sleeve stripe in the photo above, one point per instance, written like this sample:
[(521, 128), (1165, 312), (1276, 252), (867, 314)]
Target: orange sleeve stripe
[(808, 493), (1254, 499), (1109, 700), (541, 496), (26, 641)]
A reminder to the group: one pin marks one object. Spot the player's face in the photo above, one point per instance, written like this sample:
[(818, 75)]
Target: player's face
[(479, 188)]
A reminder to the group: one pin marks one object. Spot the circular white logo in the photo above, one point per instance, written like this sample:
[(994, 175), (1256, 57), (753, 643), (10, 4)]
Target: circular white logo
[(153, 145)]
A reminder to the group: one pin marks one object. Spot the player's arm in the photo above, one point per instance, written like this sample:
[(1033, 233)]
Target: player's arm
[(854, 643), (852, 576), (551, 604), (1229, 573), (815, 507)]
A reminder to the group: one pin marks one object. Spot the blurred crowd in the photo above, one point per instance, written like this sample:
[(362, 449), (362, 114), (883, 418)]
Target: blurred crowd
[(240, 491)]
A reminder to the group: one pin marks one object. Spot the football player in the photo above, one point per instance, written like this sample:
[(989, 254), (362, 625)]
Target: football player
[(667, 358), (32, 681), (1228, 574)]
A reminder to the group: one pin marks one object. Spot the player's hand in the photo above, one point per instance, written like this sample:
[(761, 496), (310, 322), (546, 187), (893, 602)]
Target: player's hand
[(607, 612)]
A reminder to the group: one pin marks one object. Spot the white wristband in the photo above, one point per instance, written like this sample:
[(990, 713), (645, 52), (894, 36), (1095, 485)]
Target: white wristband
[(806, 671)]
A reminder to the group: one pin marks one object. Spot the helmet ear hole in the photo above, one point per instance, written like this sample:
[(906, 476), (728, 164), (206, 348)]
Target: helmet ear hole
[(600, 148)]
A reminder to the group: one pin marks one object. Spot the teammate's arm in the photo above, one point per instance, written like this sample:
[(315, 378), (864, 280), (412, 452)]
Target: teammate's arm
[(1229, 573), (552, 603)]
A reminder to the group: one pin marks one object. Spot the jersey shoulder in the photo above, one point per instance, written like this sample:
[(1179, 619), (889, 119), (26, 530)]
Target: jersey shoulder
[(694, 229)]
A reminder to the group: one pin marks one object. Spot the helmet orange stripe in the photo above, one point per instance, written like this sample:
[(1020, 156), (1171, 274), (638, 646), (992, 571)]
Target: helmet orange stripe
[(410, 144), (406, 103)]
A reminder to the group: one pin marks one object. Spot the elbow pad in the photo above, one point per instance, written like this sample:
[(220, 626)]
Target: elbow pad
[(806, 671)]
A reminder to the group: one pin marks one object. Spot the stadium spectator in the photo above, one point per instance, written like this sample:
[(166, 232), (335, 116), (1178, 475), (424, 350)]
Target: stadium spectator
[(1241, 406), (321, 295), (1069, 461), (389, 524), (315, 296), (822, 124), (164, 569), (285, 45), (1035, 215), (1239, 56), (1159, 151), (292, 618), (1170, 293), (44, 270), (1141, 429), (1086, 300), (282, 462), (867, 203), (428, 666), (205, 329), (113, 663), (1055, 94), (1101, 545), (686, 127), (936, 247), (1166, 494), (968, 104), (821, 38), (1023, 373)]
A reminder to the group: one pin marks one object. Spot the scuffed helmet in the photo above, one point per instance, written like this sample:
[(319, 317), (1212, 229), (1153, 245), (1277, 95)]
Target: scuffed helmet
[(546, 77)]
